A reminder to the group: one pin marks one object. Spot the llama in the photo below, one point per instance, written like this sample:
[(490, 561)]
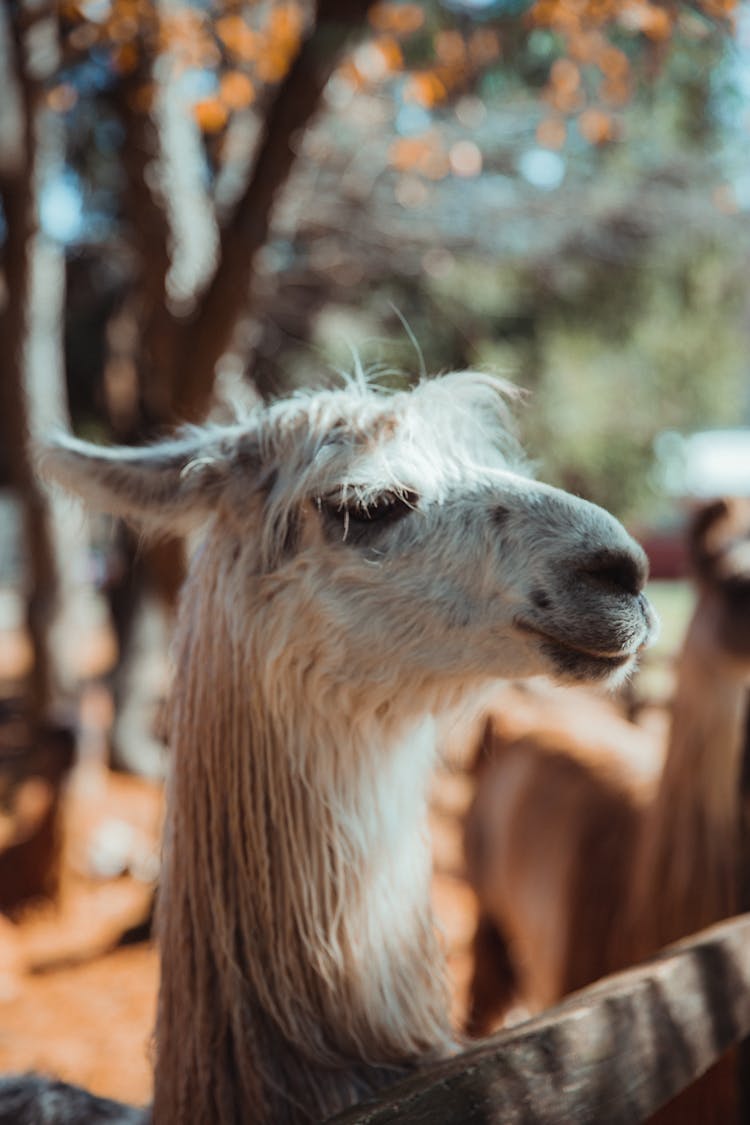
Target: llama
[(364, 560), (626, 856)]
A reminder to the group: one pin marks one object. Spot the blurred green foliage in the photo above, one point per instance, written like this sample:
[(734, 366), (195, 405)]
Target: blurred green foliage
[(608, 280), (630, 320)]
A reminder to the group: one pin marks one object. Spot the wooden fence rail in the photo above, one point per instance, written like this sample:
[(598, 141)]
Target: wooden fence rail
[(614, 1052)]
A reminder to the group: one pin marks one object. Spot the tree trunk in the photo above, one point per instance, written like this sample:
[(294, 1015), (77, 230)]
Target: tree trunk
[(35, 754), (208, 336), (17, 182)]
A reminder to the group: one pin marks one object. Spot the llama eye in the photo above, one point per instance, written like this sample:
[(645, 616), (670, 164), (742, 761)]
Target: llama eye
[(386, 507)]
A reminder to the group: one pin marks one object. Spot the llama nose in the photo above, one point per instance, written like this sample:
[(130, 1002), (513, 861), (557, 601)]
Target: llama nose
[(622, 571)]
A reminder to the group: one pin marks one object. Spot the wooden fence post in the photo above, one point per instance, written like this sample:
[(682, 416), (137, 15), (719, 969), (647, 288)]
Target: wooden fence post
[(614, 1052), (743, 901)]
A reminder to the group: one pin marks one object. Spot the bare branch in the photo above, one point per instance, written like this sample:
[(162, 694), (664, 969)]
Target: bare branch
[(148, 219)]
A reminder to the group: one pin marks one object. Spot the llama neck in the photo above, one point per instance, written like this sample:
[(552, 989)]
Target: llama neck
[(300, 971), (686, 875)]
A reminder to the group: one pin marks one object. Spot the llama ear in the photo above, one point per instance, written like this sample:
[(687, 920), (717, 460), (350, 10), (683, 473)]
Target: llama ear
[(167, 486)]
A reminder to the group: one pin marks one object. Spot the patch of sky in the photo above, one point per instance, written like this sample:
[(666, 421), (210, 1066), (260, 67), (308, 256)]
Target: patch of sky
[(96, 10), (412, 119), (93, 74), (706, 464), (489, 7), (741, 186), (731, 94), (541, 168), (276, 256), (61, 208), (196, 83)]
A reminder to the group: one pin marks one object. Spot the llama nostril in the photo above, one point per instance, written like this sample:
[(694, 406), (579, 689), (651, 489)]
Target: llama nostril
[(540, 599), (618, 570)]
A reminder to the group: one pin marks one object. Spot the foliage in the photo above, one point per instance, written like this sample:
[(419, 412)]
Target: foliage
[(462, 106)]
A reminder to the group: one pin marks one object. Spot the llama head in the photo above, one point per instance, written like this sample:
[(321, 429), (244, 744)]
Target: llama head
[(397, 534), (719, 545)]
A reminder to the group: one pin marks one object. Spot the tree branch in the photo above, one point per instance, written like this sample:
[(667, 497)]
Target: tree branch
[(209, 334), (148, 220)]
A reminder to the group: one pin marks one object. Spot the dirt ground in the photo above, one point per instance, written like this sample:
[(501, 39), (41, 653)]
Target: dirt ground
[(72, 1003)]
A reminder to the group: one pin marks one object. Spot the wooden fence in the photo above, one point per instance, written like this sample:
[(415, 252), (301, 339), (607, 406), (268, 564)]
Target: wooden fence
[(614, 1052)]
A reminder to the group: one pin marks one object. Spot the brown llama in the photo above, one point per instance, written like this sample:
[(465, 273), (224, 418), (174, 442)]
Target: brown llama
[(586, 859), (364, 560)]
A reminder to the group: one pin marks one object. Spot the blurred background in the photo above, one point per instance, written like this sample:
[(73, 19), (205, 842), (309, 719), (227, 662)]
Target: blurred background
[(203, 201)]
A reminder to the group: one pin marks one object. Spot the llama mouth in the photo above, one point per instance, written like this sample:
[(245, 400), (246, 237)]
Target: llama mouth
[(560, 649)]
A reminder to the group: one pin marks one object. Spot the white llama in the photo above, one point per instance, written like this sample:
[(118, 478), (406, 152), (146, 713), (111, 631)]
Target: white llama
[(365, 560)]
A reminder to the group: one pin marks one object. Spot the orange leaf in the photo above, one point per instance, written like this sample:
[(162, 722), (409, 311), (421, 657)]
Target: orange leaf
[(285, 27), (211, 115), (565, 77), (720, 9), (236, 90), (651, 20), (586, 46), (238, 38), (125, 58), (391, 52), (613, 64), (450, 47), (423, 154), (551, 132), (406, 152), (426, 89), (400, 19), (272, 64), (596, 126), (351, 74)]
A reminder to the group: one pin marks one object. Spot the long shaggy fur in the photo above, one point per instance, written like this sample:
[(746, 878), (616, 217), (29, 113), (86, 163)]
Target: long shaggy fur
[(274, 857)]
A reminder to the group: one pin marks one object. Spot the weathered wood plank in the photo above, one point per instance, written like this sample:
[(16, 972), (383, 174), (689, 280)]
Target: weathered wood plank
[(613, 1052), (743, 1054)]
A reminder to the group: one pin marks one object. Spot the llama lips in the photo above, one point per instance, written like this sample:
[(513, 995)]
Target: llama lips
[(557, 645)]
